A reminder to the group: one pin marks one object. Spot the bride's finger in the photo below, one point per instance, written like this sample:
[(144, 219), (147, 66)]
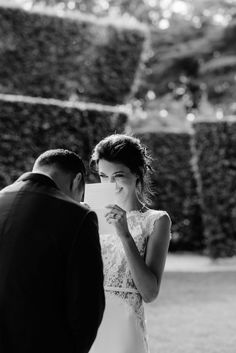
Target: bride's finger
[(113, 212), (110, 206), (112, 216), (108, 214), (111, 220), (115, 207)]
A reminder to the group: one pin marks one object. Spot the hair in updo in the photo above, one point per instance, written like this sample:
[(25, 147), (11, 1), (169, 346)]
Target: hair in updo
[(129, 151)]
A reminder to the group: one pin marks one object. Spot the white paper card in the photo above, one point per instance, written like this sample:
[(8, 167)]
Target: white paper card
[(98, 196)]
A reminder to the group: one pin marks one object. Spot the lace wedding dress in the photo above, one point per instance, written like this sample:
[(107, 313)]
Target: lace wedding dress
[(123, 329)]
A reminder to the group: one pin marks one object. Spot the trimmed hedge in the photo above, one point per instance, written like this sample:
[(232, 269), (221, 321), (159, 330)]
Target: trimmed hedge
[(28, 129), (68, 58), (215, 144), (175, 185)]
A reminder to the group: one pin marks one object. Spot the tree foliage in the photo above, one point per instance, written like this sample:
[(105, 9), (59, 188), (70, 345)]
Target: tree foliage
[(192, 48)]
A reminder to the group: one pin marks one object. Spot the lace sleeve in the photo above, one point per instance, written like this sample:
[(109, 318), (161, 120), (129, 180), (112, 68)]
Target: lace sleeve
[(155, 216)]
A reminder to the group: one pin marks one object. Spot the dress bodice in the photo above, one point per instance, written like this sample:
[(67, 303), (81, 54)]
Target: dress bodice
[(117, 274)]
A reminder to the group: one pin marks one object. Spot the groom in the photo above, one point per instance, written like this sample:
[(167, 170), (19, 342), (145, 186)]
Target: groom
[(51, 273)]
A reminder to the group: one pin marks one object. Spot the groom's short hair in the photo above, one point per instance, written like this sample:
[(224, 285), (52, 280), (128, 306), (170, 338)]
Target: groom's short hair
[(65, 160)]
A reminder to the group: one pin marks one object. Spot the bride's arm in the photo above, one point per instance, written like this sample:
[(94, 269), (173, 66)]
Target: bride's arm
[(146, 274)]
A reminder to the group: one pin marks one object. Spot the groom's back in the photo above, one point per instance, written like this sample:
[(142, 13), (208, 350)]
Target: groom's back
[(40, 234)]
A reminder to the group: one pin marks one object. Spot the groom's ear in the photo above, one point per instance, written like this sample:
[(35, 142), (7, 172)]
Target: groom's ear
[(78, 186), (75, 180)]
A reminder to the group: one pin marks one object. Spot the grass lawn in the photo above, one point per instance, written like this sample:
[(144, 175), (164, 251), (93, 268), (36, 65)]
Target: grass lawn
[(195, 313)]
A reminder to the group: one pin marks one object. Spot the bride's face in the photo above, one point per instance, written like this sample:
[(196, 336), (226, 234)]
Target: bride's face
[(121, 175)]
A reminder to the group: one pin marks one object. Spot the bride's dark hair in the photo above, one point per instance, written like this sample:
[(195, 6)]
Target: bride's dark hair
[(127, 150)]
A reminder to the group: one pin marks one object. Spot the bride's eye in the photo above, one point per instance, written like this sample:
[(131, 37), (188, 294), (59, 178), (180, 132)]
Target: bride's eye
[(102, 176), (119, 176)]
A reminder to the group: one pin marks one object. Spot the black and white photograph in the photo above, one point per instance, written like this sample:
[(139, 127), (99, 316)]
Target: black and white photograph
[(117, 176)]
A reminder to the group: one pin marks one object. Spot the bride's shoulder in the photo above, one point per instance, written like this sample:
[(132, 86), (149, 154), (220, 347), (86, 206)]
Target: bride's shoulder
[(156, 214), (152, 216)]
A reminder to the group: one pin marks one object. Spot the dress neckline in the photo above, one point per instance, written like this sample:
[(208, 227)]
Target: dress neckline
[(138, 212)]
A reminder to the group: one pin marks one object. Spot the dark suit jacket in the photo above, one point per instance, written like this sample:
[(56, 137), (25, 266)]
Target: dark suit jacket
[(51, 272)]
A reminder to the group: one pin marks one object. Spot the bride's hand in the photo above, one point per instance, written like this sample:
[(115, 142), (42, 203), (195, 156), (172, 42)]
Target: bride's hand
[(117, 216)]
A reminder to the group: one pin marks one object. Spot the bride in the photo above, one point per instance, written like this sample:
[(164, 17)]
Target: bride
[(134, 255)]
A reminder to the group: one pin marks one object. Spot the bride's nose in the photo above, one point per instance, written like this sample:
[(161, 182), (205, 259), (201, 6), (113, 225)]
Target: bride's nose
[(112, 179)]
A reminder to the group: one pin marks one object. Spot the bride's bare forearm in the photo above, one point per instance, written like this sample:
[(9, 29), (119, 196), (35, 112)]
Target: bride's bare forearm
[(143, 277)]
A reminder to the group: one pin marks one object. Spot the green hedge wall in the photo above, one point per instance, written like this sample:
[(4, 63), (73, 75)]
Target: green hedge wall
[(215, 144), (44, 55), (175, 185), (28, 129)]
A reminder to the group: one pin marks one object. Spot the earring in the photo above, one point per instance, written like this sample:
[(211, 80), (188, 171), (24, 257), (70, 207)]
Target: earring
[(138, 186)]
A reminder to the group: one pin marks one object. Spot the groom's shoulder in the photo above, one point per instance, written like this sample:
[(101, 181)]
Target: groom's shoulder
[(47, 199), (14, 187), (68, 201), (45, 188), (76, 211)]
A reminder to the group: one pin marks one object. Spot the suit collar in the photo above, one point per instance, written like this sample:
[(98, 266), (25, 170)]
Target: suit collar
[(38, 177)]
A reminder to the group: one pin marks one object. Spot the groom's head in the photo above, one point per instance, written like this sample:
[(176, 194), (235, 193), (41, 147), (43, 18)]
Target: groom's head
[(67, 170)]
